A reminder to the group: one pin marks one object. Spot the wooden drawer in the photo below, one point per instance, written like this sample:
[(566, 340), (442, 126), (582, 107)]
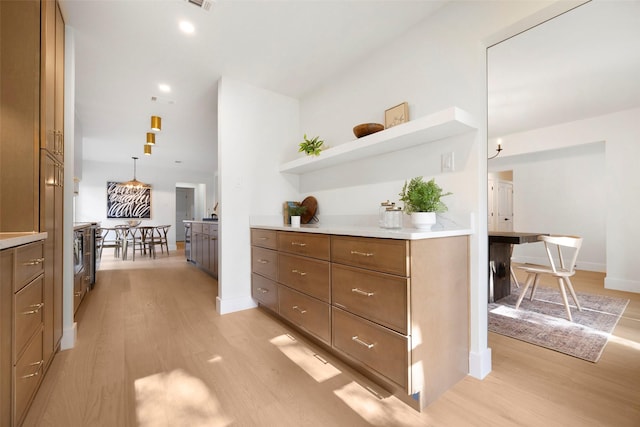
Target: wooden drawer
[(29, 308), (206, 228), (196, 227), (264, 238), (307, 275), (264, 262), (379, 348), (311, 245), (265, 291), (29, 263), (386, 255), (379, 297), (308, 313), (27, 374)]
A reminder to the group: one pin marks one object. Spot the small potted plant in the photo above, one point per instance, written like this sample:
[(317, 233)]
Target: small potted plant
[(295, 212), (312, 147), (422, 201)]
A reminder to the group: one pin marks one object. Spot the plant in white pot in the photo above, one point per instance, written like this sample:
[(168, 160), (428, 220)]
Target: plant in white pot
[(422, 201), (296, 212)]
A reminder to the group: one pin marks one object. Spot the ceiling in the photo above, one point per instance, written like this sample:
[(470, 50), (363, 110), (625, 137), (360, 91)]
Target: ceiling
[(125, 48), (581, 64), (584, 63)]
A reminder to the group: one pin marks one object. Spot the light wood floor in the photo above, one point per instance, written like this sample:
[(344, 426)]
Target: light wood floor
[(152, 351)]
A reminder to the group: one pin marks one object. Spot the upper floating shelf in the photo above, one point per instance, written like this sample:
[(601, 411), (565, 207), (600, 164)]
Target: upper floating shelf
[(443, 124)]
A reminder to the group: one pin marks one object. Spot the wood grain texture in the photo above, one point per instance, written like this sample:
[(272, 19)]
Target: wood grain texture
[(153, 322)]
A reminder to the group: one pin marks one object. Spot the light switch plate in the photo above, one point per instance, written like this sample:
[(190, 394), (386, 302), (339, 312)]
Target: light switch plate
[(447, 163)]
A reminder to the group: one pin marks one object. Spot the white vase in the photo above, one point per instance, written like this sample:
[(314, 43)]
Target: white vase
[(423, 220), (295, 221)]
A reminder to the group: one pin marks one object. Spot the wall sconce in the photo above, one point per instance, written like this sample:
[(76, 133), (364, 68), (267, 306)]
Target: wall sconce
[(147, 150), (151, 138), (156, 123), (498, 150)]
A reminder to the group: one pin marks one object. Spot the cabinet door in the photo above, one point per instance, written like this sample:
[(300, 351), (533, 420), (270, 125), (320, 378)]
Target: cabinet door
[(58, 114), (48, 76), (213, 253), (19, 76)]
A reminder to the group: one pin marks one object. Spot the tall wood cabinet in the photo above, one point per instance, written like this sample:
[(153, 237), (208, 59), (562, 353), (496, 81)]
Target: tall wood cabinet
[(52, 167), (32, 142)]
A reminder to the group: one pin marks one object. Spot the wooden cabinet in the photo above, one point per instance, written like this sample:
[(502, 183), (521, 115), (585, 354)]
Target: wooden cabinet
[(22, 308), (396, 309), (204, 247), (19, 133)]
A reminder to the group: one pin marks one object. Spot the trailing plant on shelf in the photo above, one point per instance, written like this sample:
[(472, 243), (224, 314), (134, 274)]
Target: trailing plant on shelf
[(312, 147), (421, 196)]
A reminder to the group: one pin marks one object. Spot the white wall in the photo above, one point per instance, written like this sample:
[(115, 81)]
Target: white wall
[(91, 202), (618, 181), (256, 130), (560, 191), (436, 65)]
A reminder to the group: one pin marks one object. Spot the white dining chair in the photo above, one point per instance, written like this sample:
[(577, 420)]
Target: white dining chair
[(561, 266)]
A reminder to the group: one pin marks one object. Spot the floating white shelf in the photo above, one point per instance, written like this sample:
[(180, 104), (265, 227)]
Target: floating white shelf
[(443, 124)]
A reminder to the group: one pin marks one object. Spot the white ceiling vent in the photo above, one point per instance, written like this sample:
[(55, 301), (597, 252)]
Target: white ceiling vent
[(202, 4)]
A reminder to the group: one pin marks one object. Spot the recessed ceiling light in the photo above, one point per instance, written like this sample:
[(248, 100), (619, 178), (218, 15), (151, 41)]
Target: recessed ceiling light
[(164, 87), (187, 27)]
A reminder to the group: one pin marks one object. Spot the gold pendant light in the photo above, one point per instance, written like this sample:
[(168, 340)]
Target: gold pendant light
[(134, 183), (151, 138), (156, 123), (147, 150)]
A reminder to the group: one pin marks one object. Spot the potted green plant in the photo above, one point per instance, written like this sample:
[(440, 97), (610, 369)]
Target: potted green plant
[(312, 147), (296, 212), (422, 201)]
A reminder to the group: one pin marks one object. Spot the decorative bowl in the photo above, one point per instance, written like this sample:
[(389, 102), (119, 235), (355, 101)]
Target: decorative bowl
[(367, 129), (133, 222)]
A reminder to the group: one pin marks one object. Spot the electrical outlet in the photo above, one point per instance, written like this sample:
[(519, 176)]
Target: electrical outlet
[(447, 163)]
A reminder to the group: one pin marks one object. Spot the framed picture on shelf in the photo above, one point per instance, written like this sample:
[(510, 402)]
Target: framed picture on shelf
[(396, 115)]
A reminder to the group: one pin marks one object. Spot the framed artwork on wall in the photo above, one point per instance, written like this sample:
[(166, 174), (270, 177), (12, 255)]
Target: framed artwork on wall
[(396, 115), (128, 202)]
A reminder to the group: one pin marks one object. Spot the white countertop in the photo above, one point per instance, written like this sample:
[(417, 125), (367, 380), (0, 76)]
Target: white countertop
[(11, 240), (371, 231)]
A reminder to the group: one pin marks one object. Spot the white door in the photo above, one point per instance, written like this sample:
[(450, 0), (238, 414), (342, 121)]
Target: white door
[(504, 203), (491, 214), (184, 210)]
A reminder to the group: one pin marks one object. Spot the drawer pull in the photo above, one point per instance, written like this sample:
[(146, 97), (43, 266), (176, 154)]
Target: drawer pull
[(302, 273), (37, 372), (361, 292), (263, 290), (263, 238), (298, 309), (363, 343), (362, 253), (298, 244), (34, 261), (78, 294), (36, 308), (263, 261)]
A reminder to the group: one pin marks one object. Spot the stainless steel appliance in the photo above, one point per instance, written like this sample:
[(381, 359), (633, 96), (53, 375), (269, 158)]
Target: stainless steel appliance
[(187, 240)]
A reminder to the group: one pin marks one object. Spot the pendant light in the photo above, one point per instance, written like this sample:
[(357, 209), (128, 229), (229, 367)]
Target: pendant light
[(134, 183), (147, 150), (151, 138), (156, 123)]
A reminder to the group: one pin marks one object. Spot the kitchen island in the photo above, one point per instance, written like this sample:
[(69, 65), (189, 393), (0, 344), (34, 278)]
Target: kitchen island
[(201, 245), (392, 303)]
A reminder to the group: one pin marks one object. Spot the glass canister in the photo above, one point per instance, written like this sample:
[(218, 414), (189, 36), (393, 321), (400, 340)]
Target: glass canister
[(393, 217), (382, 212)]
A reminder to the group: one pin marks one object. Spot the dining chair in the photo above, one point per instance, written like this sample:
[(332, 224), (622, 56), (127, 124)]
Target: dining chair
[(561, 266), (150, 239), (133, 238), (110, 237), (161, 233)]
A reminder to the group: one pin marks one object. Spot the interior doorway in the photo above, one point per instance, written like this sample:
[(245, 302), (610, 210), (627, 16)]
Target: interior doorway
[(185, 200), (500, 203)]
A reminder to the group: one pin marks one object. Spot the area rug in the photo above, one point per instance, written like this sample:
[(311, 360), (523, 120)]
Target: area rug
[(544, 322)]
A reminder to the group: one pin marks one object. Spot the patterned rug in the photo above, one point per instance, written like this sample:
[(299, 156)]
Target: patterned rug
[(544, 322)]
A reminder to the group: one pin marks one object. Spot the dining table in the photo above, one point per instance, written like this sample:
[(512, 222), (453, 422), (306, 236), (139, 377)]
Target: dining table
[(500, 249)]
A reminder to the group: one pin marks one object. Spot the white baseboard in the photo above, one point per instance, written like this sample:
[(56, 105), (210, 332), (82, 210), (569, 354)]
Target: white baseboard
[(622, 285), (480, 363), (69, 337), (229, 305)]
